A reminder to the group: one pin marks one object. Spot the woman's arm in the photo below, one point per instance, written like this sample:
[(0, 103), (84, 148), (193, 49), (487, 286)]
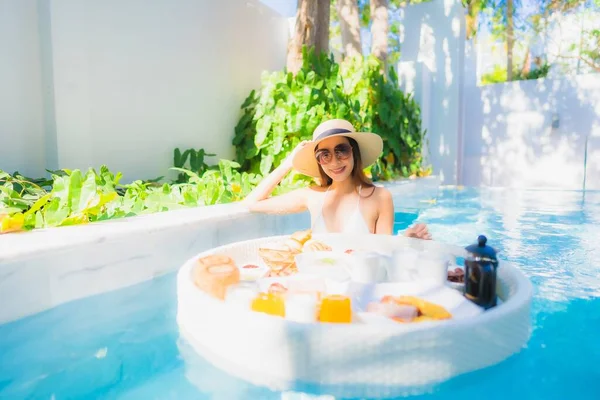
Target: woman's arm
[(295, 201), (385, 220), (289, 203), (264, 189)]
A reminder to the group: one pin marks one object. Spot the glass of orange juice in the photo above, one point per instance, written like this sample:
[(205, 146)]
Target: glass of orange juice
[(269, 303), (336, 308)]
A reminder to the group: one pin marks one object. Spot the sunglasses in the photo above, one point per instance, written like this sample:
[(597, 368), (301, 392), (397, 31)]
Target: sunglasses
[(342, 152)]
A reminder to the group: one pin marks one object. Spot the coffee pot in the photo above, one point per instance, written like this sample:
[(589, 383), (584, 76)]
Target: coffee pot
[(481, 264)]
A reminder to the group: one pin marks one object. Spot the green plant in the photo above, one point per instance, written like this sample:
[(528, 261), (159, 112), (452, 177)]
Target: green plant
[(74, 197), (498, 74), (288, 108), (196, 163)]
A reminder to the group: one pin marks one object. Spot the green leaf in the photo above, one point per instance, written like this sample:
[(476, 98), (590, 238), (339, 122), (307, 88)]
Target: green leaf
[(262, 130), (194, 176), (10, 210), (88, 193), (39, 220), (266, 163), (38, 204), (177, 158), (74, 189), (248, 100), (75, 219), (55, 213)]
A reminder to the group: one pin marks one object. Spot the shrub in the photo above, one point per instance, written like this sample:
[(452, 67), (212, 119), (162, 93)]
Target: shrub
[(288, 108)]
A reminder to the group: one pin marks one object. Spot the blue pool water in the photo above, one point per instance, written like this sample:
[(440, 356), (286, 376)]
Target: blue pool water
[(125, 344)]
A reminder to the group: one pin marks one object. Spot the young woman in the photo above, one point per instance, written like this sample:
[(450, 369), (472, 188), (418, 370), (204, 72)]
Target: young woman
[(346, 200)]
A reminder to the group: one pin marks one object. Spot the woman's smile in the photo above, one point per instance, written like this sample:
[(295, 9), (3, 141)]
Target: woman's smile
[(338, 171)]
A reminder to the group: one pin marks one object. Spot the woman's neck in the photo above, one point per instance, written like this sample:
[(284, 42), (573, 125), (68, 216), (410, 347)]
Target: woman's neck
[(346, 186)]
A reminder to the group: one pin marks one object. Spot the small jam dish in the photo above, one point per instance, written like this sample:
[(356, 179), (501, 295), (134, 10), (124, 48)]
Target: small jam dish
[(252, 272)]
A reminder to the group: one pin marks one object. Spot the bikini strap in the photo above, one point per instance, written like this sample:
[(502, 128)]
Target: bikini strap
[(324, 197)]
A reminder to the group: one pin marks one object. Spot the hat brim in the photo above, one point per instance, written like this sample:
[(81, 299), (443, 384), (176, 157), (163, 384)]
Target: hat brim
[(370, 146)]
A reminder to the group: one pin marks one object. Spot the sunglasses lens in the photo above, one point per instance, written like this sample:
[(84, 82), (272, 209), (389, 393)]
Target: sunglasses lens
[(323, 157), (343, 151)]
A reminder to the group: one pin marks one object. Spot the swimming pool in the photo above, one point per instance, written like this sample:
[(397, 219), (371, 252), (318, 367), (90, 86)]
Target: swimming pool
[(124, 344)]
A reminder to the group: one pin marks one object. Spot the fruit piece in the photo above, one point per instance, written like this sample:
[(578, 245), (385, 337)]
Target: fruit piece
[(427, 310)]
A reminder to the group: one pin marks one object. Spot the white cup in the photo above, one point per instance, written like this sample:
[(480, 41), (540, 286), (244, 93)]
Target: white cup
[(301, 307), (409, 265), (367, 267), (242, 294)]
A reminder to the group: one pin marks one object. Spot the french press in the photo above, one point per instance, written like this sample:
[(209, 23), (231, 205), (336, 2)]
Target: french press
[(480, 274)]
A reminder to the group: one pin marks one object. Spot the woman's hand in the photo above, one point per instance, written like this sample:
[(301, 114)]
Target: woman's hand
[(299, 147), (418, 231), (259, 201)]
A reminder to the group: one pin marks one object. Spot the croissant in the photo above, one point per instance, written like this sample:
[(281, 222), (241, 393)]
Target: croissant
[(302, 236), (315, 245)]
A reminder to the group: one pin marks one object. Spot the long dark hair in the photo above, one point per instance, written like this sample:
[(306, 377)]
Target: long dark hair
[(358, 176)]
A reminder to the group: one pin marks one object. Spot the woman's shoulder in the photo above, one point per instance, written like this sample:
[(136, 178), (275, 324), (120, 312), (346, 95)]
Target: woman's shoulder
[(377, 193), (383, 193)]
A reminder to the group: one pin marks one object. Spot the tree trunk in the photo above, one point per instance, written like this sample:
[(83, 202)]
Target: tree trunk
[(527, 63), (305, 33), (350, 27), (379, 29), (472, 17), (323, 21), (510, 40)]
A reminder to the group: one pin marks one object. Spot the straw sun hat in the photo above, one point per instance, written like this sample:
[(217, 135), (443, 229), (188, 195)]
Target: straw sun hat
[(369, 144)]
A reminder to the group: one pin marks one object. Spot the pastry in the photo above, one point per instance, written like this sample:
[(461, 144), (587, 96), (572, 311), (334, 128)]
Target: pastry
[(214, 273), (277, 258), (315, 245), (281, 258), (302, 236), (293, 245)]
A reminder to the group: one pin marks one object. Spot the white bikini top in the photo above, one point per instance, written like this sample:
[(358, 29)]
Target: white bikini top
[(355, 223)]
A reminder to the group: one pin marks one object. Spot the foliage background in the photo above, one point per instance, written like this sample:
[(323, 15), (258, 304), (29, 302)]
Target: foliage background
[(274, 119), (288, 108)]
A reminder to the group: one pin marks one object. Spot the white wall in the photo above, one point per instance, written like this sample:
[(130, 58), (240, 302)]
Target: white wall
[(131, 80), (431, 62), (509, 139), (22, 140), (496, 135)]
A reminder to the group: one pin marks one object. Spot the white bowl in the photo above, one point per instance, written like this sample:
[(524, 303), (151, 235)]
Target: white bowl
[(325, 264)]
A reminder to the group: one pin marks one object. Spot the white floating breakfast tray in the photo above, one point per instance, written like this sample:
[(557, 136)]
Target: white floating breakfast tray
[(366, 359)]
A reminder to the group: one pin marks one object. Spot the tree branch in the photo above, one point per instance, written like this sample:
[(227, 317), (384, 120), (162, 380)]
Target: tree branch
[(591, 64)]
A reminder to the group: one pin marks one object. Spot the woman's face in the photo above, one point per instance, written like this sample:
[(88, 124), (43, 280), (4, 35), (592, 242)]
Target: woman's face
[(335, 157)]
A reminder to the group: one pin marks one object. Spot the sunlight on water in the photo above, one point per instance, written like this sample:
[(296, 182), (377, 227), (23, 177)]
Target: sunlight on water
[(125, 344)]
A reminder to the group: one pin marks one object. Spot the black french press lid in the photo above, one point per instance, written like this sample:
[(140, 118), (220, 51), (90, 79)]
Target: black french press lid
[(481, 249)]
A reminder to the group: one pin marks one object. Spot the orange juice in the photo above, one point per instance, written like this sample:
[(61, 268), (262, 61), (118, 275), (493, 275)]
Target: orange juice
[(336, 308), (269, 303)]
